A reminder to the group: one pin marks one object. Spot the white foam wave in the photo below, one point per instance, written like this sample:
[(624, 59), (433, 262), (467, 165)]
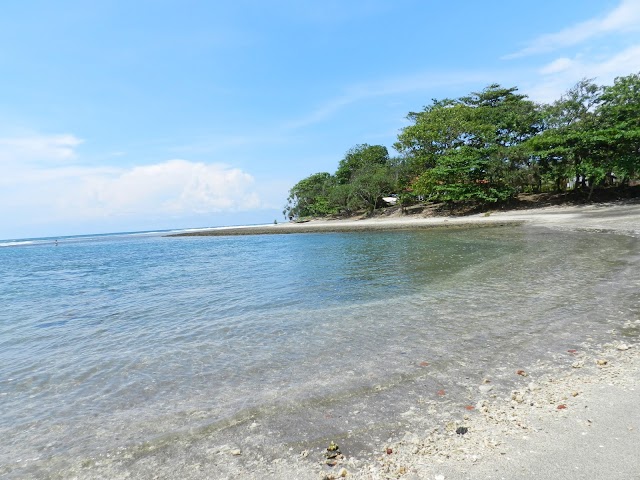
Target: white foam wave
[(16, 243)]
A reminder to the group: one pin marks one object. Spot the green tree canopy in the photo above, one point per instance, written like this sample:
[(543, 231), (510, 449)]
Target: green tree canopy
[(310, 197), (468, 149), (359, 157)]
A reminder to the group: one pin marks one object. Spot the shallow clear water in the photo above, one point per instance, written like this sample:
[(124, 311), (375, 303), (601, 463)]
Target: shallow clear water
[(112, 345)]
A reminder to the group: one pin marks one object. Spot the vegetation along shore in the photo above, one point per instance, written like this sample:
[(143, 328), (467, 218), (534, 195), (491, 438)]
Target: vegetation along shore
[(487, 148)]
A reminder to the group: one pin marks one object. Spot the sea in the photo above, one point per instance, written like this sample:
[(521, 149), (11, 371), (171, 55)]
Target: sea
[(141, 354)]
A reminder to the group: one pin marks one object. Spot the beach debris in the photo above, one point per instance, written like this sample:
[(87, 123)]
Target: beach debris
[(561, 407), (522, 373), (486, 380), (424, 364), (469, 407), (601, 362), (332, 450), (389, 451), (572, 351), (485, 388), (236, 452), (575, 394), (623, 346), (517, 396), (461, 430), (333, 454), (304, 453), (343, 472), (440, 392)]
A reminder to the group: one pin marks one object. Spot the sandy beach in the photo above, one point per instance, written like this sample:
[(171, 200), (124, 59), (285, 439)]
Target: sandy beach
[(580, 422), (621, 217)]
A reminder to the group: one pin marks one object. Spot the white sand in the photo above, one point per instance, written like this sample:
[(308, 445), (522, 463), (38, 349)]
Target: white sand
[(622, 217)]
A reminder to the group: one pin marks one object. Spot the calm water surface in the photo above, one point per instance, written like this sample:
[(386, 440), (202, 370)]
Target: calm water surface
[(111, 347)]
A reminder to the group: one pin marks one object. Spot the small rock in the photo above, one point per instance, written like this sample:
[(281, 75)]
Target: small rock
[(561, 407), (623, 346), (601, 362), (522, 373), (579, 364), (343, 472), (236, 451), (485, 388), (461, 430), (532, 387), (575, 394), (389, 451), (439, 477)]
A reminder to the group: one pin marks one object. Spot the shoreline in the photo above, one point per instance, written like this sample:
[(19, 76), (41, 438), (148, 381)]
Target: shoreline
[(618, 217), (518, 432), (578, 420)]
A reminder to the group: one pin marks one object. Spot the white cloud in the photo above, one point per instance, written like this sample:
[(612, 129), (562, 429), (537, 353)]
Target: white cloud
[(38, 148), (557, 66), (49, 189), (625, 17), (175, 187), (563, 73)]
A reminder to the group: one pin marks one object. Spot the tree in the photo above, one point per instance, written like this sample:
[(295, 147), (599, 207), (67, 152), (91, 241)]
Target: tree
[(565, 147), (592, 133), (369, 184), (311, 197), (358, 157), (619, 125), (470, 149)]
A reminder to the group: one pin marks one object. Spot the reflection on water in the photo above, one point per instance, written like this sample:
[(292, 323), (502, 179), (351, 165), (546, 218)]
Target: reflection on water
[(121, 343)]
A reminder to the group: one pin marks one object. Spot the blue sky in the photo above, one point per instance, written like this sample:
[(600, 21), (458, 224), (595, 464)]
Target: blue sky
[(120, 115)]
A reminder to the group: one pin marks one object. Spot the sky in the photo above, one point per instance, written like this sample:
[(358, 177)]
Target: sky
[(159, 114)]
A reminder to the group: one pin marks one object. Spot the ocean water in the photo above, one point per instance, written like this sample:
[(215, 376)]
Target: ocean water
[(120, 353)]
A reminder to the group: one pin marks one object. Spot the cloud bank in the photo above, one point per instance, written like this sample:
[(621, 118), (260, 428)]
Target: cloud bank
[(35, 190)]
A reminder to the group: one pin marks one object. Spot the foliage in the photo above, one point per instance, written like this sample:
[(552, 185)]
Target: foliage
[(592, 134), (310, 197), (486, 147), (358, 158), (470, 147)]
